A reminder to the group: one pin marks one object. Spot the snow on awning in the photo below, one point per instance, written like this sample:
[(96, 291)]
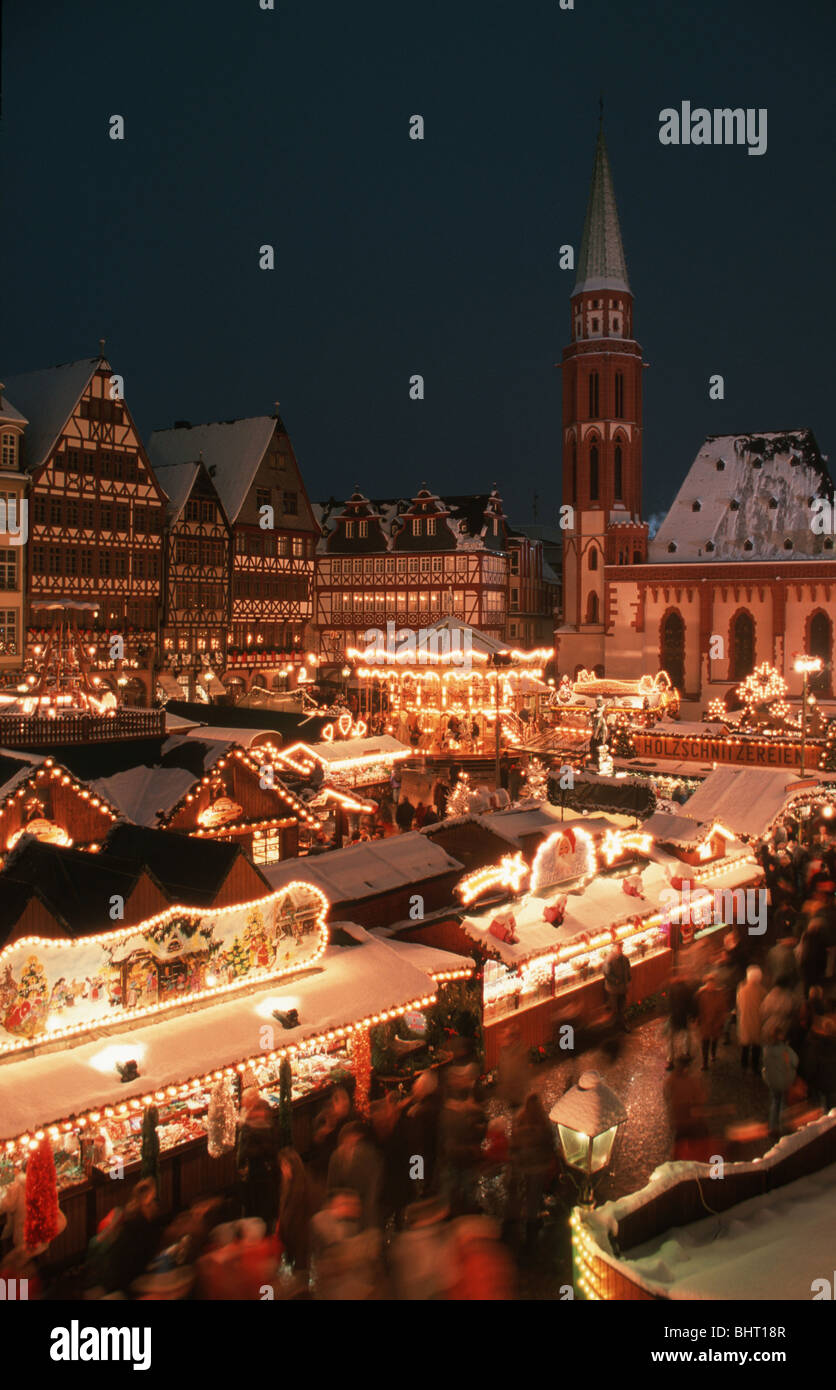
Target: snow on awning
[(354, 983), (169, 685)]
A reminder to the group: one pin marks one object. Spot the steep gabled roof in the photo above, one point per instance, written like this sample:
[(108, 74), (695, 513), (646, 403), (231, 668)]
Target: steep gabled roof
[(231, 449), (746, 497), (601, 263), (9, 415), (48, 399), (192, 871), (76, 886)]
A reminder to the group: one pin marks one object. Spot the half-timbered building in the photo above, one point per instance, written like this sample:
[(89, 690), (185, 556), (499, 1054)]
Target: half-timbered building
[(197, 593), (410, 561), (254, 469), (96, 517), (13, 529)]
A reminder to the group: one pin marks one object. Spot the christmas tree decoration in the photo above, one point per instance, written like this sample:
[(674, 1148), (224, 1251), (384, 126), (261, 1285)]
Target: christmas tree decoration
[(42, 1218), (458, 802), (535, 784), (150, 1160), (361, 1056), (621, 744), (221, 1119)]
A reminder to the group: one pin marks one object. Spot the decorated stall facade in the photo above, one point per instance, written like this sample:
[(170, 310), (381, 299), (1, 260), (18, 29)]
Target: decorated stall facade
[(166, 1025)]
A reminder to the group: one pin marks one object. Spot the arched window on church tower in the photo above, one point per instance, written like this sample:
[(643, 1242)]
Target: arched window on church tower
[(593, 395), (593, 557), (593, 473), (618, 474), (592, 608)]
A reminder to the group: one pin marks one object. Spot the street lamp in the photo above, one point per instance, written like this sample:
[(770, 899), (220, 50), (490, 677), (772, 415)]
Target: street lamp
[(805, 666), (587, 1119)]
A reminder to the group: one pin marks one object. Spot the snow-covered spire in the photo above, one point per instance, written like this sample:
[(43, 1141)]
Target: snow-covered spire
[(601, 264)]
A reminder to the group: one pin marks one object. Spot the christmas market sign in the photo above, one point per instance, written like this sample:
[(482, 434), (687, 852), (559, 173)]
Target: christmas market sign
[(56, 988), (753, 752)]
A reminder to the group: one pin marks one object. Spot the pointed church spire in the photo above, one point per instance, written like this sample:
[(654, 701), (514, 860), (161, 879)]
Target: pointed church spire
[(601, 264)]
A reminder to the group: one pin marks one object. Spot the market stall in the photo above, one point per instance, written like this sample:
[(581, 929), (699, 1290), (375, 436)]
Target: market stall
[(93, 1076)]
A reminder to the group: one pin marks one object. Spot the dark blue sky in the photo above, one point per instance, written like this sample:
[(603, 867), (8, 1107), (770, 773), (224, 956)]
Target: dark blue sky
[(394, 256)]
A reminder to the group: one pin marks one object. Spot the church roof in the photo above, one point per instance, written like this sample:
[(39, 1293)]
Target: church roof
[(746, 497), (601, 263)]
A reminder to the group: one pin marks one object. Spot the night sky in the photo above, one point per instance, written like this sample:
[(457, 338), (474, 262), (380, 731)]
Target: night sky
[(395, 256)]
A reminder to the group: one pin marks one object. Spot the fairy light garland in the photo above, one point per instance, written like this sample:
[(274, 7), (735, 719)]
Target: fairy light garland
[(120, 935), (200, 1083)]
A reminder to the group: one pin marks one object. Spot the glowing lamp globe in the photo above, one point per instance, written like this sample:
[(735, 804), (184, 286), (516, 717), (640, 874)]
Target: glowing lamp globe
[(588, 1118)]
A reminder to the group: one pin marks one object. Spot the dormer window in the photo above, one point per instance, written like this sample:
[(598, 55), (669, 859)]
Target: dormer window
[(734, 505), (720, 465), (788, 545), (430, 525), (672, 548), (416, 526), (757, 463), (696, 506), (773, 504), (747, 545), (9, 456), (362, 528), (349, 530), (709, 545), (828, 544)]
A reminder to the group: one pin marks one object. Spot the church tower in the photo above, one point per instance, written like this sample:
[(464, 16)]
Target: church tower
[(602, 428)]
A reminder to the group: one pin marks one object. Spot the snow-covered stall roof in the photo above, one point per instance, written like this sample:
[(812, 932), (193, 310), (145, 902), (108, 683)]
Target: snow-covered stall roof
[(353, 982), (245, 738), (771, 1246), (602, 904), (431, 959), (746, 497), (345, 750), (538, 818), (145, 795), (672, 829), (373, 866), (745, 799)]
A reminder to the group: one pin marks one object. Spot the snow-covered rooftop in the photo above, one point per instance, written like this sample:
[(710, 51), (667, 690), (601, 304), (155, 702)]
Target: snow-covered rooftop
[(746, 799), (47, 399), (747, 497), (231, 449), (353, 982), (362, 870)]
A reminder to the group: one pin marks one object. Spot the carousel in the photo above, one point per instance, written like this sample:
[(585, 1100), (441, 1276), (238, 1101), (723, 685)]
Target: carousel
[(450, 689)]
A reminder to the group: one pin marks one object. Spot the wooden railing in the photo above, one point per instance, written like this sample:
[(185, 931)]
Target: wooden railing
[(36, 731)]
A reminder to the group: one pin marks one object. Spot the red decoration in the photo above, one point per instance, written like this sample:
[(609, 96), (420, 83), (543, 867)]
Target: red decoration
[(41, 1223), (361, 1056)]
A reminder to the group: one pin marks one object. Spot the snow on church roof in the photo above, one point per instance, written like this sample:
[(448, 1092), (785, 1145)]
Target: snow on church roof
[(746, 497), (601, 263)]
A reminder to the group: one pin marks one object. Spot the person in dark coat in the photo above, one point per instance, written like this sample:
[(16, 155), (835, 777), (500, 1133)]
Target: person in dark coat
[(404, 814), (136, 1242), (617, 973), (296, 1208), (257, 1160), (356, 1166), (812, 955)]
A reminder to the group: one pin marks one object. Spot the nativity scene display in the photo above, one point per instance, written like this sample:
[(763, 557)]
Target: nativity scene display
[(65, 985)]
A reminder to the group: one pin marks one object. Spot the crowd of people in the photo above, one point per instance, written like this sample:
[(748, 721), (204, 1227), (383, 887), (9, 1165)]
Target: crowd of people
[(774, 992), (424, 1196)]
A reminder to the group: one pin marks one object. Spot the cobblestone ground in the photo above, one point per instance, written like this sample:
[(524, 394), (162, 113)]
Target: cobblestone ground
[(633, 1065)]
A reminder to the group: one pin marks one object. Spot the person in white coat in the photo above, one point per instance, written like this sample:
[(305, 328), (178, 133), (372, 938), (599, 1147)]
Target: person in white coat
[(750, 997)]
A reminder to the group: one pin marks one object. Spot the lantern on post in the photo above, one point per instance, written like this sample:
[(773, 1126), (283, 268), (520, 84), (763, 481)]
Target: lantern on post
[(587, 1119)]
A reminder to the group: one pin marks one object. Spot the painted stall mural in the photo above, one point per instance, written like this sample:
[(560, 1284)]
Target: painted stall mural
[(50, 985)]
